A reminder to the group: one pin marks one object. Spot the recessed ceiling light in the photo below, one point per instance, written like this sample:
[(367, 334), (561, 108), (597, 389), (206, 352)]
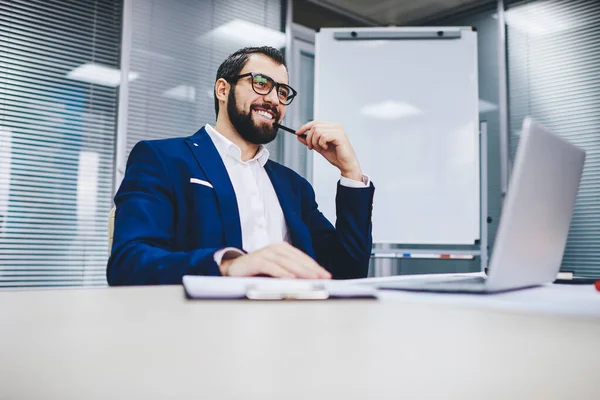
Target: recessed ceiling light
[(181, 92), (99, 74), (245, 33)]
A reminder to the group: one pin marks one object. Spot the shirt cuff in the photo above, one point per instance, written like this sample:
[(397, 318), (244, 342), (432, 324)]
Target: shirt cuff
[(366, 182), (227, 253)]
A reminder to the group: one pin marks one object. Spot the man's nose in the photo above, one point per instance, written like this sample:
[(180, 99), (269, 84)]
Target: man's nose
[(272, 97)]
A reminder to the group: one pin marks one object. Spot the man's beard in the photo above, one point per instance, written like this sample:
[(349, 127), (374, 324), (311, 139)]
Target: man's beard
[(245, 125)]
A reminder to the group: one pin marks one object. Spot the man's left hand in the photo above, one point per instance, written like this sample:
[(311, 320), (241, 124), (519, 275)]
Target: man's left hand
[(330, 140)]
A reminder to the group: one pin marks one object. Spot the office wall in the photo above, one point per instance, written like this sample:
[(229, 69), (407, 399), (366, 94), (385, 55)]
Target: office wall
[(59, 89), (59, 74), (553, 61), (554, 76), (176, 48), (484, 20)]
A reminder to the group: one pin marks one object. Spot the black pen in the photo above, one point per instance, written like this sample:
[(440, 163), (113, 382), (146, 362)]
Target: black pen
[(285, 128)]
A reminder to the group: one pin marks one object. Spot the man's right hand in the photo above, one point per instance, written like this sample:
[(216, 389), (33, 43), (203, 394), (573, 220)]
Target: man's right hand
[(278, 260)]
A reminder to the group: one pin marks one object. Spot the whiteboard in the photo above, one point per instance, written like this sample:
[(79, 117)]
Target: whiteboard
[(408, 100)]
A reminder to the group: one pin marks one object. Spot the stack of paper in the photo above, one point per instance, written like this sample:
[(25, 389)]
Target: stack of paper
[(212, 287)]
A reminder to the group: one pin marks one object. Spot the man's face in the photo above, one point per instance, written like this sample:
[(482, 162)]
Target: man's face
[(246, 109)]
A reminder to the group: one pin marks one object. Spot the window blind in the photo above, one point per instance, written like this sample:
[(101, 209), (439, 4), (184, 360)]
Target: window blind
[(554, 76), (177, 46), (58, 102)]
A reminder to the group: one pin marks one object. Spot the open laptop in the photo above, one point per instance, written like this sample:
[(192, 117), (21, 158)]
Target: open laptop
[(535, 219)]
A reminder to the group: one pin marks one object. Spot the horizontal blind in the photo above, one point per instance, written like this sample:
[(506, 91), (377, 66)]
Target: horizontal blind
[(177, 46), (554, 76), (57, 137)]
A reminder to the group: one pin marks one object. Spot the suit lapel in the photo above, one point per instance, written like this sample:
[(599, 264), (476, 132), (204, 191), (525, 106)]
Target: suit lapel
[(299, 233), (210, 161)]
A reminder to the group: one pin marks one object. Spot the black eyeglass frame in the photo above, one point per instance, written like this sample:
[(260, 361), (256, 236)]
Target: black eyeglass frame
[(274, 84)]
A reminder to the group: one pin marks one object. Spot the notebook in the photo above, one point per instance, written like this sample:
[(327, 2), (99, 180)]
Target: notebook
[(216, 287)]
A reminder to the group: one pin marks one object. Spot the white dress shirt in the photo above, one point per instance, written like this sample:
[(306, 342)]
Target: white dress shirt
[(261, 217)]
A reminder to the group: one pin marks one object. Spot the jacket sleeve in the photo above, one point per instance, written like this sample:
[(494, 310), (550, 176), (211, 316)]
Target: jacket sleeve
[(143, 251), (346, 249)]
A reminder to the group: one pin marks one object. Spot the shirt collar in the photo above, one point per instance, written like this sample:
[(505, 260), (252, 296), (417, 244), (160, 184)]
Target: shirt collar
[(227, 148)]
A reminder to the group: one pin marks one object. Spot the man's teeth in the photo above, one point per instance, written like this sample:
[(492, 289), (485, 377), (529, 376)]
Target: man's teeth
[(265, 114)]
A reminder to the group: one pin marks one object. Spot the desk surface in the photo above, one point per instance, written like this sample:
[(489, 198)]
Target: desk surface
[(560, 299), (150, 342)]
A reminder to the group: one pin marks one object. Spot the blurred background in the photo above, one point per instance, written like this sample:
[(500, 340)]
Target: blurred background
[(82, 81)]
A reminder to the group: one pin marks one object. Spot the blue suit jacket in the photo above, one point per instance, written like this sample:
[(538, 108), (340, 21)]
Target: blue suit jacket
[(167, 227)]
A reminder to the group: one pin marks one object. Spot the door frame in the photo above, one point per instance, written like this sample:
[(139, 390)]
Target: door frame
[(303, 40)]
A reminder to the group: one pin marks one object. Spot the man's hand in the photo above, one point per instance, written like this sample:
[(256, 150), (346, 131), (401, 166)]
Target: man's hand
[(330, 140), (278, 260)]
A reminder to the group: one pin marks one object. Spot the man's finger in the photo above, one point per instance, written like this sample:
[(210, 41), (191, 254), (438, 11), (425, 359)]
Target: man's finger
[(305, 127), (273, 269), (297, 268), (323, 141), (283, 258), (309, 136), (314, 139), (308, 262)]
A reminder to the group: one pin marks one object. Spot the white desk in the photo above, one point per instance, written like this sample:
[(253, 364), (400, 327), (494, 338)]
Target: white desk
[(567, 300), (151, 342)]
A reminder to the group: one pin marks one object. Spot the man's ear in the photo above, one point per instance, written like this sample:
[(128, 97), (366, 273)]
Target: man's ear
[(222, 88)]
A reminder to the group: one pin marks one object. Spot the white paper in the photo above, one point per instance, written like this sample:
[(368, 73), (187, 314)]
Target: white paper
[(216, 287)]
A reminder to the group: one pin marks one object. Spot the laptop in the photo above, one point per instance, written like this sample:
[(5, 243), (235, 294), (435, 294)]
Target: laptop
[(535, 220)]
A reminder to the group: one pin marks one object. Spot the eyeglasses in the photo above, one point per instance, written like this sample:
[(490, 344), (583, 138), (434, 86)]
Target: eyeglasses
[(263, 85)]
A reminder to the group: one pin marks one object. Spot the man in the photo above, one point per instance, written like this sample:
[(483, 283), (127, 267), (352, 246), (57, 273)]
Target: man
[(213, 204)]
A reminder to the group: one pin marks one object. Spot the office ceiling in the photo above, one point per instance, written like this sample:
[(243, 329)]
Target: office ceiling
[(397, 12)]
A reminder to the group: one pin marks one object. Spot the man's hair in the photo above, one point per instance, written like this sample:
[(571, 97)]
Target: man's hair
[(231, 67)]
